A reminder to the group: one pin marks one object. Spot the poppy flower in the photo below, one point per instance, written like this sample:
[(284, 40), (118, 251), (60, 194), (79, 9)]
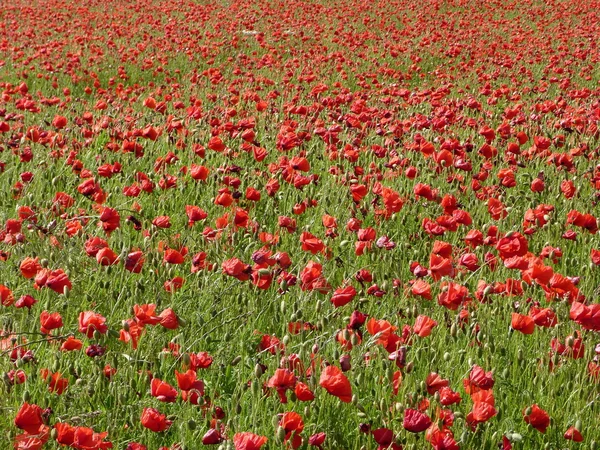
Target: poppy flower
[(537, 418), (282, 380), (385, 439), (415, 421), (162, 390), (248, 441), (317, 440), (89, 321), (29, 267), (212, 437), (423, 326), (524, 324), (343, 295), (303, 392), (70, 344), (573, 434), (154, 420), (29, 418), (336, 383)]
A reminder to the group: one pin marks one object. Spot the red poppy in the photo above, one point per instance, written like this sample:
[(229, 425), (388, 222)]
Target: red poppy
[(89, 321), (336, 383), (162, 390), (415, 421), (29, 418), (282, 380), (524, 324), (248, 441), (154, 420), (537, 418), (343, 295)]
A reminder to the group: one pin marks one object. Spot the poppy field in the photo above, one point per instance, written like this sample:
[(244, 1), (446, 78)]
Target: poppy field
[(299, 224)]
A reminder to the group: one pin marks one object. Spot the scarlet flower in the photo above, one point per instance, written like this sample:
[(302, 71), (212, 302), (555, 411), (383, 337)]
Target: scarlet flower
[(162, 390), (282, 380), (573, 434), (423, 326), (303, 392), (188, 381), (154, 420), (385, 439), (248, 441), (336, 383), (537, 418), (343, 295), (145, 314), (524, 324), (71, 343), (168, 319), (415, 421), (6, 296), (89, 321), (29, 267), (317, 440), (29, 418)]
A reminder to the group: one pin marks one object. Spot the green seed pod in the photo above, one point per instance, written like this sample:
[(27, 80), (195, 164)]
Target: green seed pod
[(336, 354), (280, 435), (383, 406), (453, 330)]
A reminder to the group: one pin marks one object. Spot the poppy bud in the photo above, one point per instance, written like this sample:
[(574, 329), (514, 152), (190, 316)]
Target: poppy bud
[(286, 339), (409, 367), (447, 356), (453, 330), (520, 355), (578, 425), (258, 371), (191, 424), (113, 334), (185, 358), (236, 360), (26, 396), (383, 405), (54, 433), (346, 334), (315, 348), (280, 435), (570, 341)]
